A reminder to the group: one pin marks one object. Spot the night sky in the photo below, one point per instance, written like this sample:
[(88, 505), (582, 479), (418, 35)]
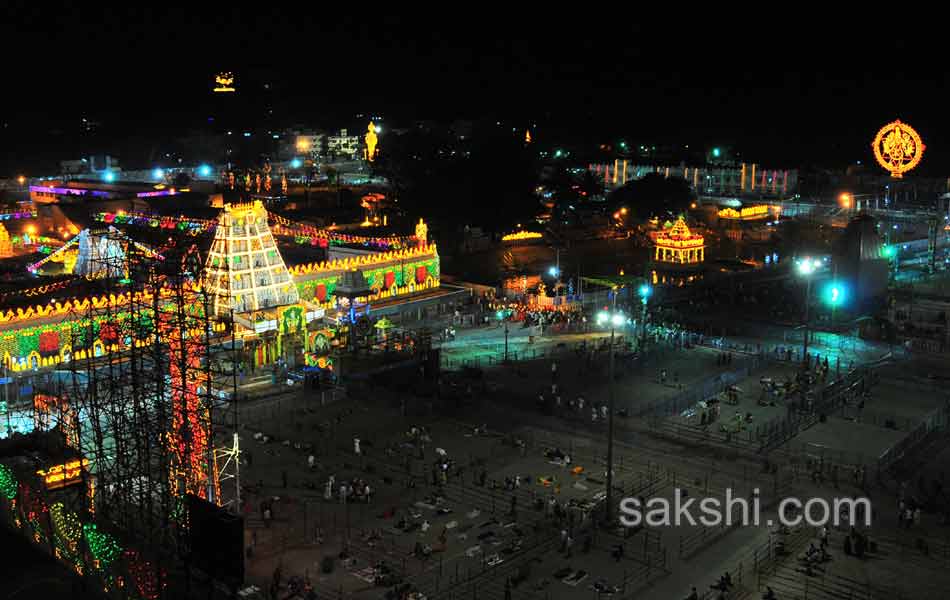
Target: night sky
[(789, 94)]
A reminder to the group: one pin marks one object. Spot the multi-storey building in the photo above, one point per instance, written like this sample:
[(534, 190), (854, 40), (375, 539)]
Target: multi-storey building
[(746, 179), (343, 145)]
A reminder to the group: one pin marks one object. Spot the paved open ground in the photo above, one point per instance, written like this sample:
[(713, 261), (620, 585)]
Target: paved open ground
[(481, 528)]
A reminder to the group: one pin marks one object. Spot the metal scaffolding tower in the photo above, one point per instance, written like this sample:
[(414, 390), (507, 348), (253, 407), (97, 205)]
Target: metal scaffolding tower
[(145, 384)]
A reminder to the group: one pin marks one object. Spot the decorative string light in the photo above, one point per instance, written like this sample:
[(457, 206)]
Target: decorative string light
[(8, 482), (104, 547), (148, 580), (67, 523)]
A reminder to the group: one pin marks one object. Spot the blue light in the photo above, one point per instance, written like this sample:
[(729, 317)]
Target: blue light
[(295, 163), (553, 271), (158, 174), (108, 176), (204, 171), (645, 291), (716, 152), (247, 134)]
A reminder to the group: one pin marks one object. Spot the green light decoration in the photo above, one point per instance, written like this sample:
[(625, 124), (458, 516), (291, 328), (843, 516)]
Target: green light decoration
[(8, 482), (103, 546), (67, 523)]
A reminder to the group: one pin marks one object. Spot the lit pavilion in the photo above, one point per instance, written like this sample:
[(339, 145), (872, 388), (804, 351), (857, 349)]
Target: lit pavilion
[(678, 246)]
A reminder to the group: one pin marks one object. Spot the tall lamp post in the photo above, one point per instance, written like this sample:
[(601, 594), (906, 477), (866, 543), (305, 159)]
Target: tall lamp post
[(889, 251), (616, 319), (555, 272), (503, 316), (834, 295), (645, 291), (806, 267)]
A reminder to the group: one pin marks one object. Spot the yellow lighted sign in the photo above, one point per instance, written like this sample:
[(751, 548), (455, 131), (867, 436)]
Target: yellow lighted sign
[(898, 148), (521, 235), (62, 475), (224, 82), (749, 212)]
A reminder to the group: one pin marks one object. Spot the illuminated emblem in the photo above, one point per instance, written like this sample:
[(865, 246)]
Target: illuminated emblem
[(224, 82), (898, 148)]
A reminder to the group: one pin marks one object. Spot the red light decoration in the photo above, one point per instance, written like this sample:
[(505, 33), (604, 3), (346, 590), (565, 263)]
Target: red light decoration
[(190, 434), (147, 579)]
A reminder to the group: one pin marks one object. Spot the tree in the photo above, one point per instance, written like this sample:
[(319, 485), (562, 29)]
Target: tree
[(654, 196), (181, 180), (332, 175), (566, 193), (486, 180)]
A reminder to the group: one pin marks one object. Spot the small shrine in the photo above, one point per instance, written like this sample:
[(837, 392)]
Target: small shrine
[(678, 246)]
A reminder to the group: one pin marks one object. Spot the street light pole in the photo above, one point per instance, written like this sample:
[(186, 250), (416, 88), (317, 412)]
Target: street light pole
[(807, 267), (644, 291), (807, 296), (610, 416), (506, 340), (643, 323)]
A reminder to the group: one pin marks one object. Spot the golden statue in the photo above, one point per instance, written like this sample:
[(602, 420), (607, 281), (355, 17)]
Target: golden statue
[(422, 233), (371, 140), (527, 136), (247, 181), (283, 184), (231, 180), (267, 183), (257, 182)]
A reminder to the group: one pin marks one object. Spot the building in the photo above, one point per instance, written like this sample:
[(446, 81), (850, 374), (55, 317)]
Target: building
[(79, 190), (746, 179), (308, 145), (244, 270), (677, 246), (91, 165), (748, 222), (273, 302), (343, 145)]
